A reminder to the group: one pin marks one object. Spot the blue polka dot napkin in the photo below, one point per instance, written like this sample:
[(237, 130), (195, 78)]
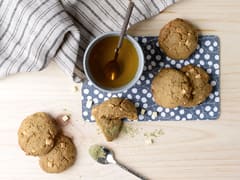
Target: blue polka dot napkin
[(206, 56)]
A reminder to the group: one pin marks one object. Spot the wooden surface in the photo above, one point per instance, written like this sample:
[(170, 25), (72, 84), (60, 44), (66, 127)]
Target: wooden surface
[(197, 150)]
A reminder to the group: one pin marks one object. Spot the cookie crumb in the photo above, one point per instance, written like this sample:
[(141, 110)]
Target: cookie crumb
[(65, 118), (154, 115), (149, 137), (130, 131), (143, 111), (98, 131), (149, 141), (76, 89), (89, 103)]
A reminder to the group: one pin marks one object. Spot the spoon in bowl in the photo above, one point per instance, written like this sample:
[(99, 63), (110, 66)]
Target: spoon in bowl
[(112, 69), (104, 155)]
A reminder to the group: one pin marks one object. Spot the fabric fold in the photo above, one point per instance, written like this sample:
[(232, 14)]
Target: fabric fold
[(34, 32)]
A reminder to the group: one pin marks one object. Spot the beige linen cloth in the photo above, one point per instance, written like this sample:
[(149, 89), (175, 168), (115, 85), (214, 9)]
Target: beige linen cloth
[(34, 32)]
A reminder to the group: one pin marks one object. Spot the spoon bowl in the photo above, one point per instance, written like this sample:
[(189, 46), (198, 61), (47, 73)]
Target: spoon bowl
[(109, 157), (112, 70), (106, 156)]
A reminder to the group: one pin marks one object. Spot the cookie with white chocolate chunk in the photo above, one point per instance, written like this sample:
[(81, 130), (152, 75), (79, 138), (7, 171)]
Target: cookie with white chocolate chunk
[(37, 133), (178, 39), (61, 157), (200, 83), (110, 113), (171, 88)]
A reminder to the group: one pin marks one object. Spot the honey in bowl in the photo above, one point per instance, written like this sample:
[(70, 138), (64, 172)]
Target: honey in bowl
[(103, 52)]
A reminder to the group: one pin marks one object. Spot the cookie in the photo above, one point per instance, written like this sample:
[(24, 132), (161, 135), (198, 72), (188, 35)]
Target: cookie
[(61, 157), (178, 39), (110, 113), (111, 128), (171, 88), (36, 134), (115, 108), (199, 80)]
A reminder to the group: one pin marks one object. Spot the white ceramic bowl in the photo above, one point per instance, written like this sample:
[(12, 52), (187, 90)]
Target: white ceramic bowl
[(130, 83)]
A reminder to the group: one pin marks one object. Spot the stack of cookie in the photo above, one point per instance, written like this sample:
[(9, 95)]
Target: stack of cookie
[(38, 136), (187, 87)]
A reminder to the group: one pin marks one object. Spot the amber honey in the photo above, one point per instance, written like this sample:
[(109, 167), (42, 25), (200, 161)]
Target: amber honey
[(103, 52)]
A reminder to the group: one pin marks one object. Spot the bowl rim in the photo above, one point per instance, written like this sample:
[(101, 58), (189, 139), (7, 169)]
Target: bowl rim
[(131, 82)]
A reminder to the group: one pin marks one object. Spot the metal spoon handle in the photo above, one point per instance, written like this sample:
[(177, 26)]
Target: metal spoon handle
[(125, 24), (131, 171)]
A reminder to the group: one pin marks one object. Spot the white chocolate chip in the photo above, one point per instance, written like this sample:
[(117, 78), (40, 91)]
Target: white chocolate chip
[(187, 43), (48, 141), (50, 131), (191, 70), (198, 76), (24, 133), (89, 103), (50, 164), (183, 91), (154, 115), (111, 105), (143, 111), (178, 30), (62, 145), (65, 118)]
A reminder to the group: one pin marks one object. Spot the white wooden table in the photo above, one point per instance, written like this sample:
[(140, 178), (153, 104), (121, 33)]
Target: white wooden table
[(197, 150)]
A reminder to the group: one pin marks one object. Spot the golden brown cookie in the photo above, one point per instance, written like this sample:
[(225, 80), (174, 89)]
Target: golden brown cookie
[(178, 39), (61, 157), (110, 127), (115, 108), (36, 134), (171, 88), (110, 113), (199, 80)]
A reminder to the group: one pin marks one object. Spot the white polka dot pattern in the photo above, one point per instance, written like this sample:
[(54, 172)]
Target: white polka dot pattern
[(206, 56)]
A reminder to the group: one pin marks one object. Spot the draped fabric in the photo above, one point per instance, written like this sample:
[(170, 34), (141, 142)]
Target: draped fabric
[(34, 32)]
